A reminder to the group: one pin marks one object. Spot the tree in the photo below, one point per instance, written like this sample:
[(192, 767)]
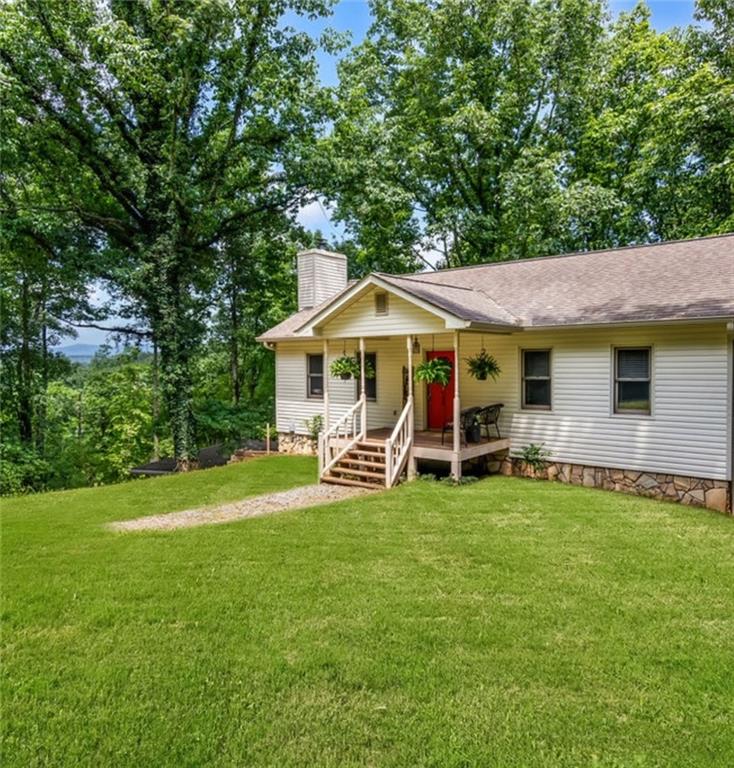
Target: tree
[(659, 133), (455, 125), (483, 130), (167, 127)]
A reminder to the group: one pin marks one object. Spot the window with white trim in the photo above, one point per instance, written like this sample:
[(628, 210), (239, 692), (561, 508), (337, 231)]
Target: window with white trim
[(632, 380), (315, 376), (536, 379)]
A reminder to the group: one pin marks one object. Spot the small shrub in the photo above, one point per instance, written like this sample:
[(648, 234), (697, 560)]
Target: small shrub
[(463, 480), (535, 456), (314, 426), (427, 477)]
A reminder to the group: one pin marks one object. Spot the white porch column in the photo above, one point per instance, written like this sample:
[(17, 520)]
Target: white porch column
[(412, 463), (456, 460), (326, 385), (410, 367), (361, 366), (362, 390)]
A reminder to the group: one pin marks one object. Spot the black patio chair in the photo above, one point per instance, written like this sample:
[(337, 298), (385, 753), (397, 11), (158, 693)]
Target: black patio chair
[(489, 416), (466, 419)]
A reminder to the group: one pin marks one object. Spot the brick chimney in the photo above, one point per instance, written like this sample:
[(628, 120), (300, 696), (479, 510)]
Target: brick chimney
[(321, 275)]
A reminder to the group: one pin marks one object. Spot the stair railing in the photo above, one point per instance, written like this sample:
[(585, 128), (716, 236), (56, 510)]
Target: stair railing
[(342, 436), (398, 445)]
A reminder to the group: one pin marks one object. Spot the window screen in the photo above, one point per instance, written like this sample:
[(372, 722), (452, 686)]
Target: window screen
[(315, 376), (632, 381), (536, 379)]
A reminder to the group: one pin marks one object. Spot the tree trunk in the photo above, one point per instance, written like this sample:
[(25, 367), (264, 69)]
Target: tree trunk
[(174, 338), (25, 395), (176, 388), (234, 320), (41, 426), (156, 404)]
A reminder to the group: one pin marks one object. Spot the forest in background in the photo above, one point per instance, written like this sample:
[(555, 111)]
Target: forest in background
[(157, 154)]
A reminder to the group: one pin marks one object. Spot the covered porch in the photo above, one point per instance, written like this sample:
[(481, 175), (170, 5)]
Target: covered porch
[(383, 439)]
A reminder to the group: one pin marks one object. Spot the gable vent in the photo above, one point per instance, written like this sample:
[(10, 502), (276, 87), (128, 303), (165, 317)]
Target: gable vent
[(381, 306)]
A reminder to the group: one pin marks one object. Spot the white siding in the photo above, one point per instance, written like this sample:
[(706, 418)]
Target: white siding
[(360, 319), (686, 433), (293, 407)]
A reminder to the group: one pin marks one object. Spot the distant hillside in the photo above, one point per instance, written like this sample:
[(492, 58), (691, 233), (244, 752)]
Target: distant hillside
[(78, 353)]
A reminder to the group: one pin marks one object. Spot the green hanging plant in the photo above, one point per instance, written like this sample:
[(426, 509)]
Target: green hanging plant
[(347, 367), (435, 371), (483, 366)]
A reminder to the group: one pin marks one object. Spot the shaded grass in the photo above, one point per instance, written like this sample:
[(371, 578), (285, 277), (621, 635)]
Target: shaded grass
[(508, 622)]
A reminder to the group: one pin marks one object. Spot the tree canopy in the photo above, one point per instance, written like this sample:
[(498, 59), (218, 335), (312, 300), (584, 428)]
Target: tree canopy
[(490, 130), (170, 127)]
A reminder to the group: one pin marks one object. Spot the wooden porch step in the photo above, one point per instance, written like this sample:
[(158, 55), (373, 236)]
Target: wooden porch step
[(370, 445), (340, 470), (378, 469), (366, 452), (362, 462), (343, 481), (360, 458)]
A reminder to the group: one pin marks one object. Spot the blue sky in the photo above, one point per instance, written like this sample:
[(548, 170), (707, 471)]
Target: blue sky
[(353, 16)]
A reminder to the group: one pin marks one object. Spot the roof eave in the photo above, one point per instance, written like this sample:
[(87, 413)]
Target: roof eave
[(362, 286), (634, 321)]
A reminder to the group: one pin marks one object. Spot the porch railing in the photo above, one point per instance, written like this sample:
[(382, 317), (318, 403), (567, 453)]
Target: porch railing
[(342, 436), (397, 446)]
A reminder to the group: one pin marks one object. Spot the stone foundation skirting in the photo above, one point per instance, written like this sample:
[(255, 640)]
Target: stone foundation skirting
[(301, 445), (696, 491)]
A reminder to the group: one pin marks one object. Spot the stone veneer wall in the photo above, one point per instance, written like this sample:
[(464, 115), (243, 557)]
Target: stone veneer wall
[(696, 491), (302, 445)]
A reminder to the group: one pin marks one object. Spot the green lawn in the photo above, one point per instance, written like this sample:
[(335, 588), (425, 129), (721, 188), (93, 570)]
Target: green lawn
[(505, 623)]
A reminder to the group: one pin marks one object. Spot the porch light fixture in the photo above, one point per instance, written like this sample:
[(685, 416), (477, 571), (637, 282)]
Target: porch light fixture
[(416, 346)]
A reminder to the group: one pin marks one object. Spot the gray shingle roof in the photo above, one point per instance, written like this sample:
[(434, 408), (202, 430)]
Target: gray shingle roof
[(681, 280)]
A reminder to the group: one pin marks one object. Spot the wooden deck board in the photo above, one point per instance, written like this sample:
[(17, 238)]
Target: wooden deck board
[(427, 445)]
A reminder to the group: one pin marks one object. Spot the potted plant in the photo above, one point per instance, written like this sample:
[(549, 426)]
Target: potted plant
[(435, 371), (483, 366), (344, 367), (473, 432), (347, 367)]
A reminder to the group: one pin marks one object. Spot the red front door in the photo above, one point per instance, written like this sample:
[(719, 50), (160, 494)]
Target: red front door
[(441, 399)]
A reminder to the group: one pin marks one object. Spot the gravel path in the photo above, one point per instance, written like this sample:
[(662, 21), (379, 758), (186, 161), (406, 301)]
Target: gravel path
[(255, 506)]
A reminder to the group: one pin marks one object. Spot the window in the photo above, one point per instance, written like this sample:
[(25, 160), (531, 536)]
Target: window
[(315, 376), (370, 385), (632, 380), (381, 304), (536, 379)]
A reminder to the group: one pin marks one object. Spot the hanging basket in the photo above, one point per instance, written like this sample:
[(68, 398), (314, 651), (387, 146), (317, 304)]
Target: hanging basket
[(483, 366), (347, 367), (435, 371)]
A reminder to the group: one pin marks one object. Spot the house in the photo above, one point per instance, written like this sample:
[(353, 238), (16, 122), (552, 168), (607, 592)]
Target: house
[(618, 362)]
